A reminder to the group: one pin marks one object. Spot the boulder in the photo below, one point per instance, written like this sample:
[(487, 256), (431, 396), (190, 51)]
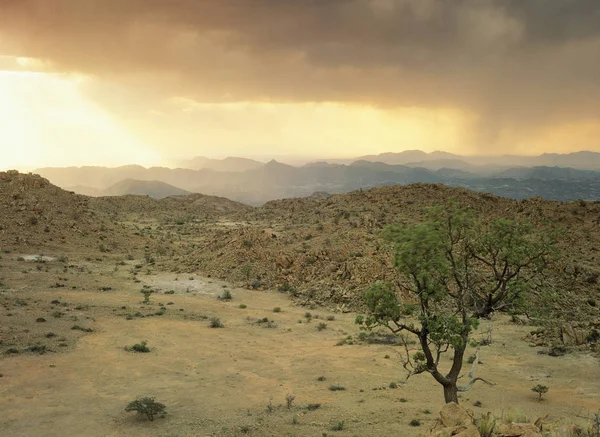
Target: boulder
[(455, 421), (518, 430)]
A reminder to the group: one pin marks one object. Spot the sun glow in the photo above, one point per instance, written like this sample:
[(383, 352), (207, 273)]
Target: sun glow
[(46, 121)]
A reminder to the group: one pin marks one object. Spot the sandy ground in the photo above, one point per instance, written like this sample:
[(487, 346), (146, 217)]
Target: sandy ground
[(220, 382)]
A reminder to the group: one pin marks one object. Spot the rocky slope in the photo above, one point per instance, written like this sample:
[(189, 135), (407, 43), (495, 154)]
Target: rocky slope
[(36, 214), (329, 250)]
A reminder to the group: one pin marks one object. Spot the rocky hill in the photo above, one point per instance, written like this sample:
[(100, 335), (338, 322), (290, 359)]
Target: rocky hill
[(37, 215), (327, 250)]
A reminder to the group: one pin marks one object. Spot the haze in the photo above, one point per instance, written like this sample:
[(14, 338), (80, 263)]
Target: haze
[(110, 82)]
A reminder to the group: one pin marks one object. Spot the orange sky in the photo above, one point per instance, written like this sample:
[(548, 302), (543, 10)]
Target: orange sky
[(109, 82)]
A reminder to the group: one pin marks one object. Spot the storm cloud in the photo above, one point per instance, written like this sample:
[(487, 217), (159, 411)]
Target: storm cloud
[(516, 64)]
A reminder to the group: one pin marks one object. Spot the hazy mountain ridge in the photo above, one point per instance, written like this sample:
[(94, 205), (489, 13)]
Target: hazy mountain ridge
[(230, 163), (275, 180)]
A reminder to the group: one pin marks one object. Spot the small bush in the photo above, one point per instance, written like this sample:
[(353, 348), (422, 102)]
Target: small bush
[(415, 422), (321, 326), (226, 295), (321, 378), (138, 347), (313, 407), (331, 318), (147, 406), (40, 320), (403, 400), (335, 387), (337, 426), (277, 309), (243, 306), (38, 349), (393, 385), (289, 400), (81, 328), (540, 390), (215, 322), (486, 425)]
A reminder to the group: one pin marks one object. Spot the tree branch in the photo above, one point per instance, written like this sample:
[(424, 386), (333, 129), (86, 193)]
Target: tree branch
[(473, 379)]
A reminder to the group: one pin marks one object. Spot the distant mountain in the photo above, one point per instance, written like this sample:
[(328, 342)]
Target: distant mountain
[(408, 156), (154, 189), (227, 164), (481, 164), (275, 180)]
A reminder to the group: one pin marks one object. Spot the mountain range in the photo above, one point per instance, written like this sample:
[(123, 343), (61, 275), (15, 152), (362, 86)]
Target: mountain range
[(570, 177)]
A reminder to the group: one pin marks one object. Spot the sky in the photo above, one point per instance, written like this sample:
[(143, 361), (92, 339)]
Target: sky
[(112, 82)]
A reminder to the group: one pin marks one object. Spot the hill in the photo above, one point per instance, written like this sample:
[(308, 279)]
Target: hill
[(327, 250), (36, 214), (154, 189)]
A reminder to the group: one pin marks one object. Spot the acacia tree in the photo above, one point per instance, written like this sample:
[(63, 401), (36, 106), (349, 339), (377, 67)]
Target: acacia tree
[(455, 269)]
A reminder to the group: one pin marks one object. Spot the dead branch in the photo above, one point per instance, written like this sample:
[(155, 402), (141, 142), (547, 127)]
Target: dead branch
[(472, 378)]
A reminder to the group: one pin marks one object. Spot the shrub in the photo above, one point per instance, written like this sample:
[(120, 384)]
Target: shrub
[(147, 406), (337, 426), (277, 309), (540, 390), (40, 320), (38, 349), (415, 422), (81, 328), (321, 378), (313, 407), (393, 385), (331, 318), (215, 322), (138, 347), (243, 306), (321, 326), (226, 295), (289, 400), (486, 425), (335, 387)]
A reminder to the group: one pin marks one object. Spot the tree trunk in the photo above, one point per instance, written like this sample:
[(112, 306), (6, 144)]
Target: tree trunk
[(451, 393)]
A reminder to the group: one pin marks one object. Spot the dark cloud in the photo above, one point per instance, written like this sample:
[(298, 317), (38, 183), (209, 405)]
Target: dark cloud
[(513, 63)]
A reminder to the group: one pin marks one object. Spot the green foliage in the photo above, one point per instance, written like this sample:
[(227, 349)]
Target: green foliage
[(540, 390), (147, 406), (215, 322), (141, 347), (415, 422), (457, 270), (226, 295), (337, 426)]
